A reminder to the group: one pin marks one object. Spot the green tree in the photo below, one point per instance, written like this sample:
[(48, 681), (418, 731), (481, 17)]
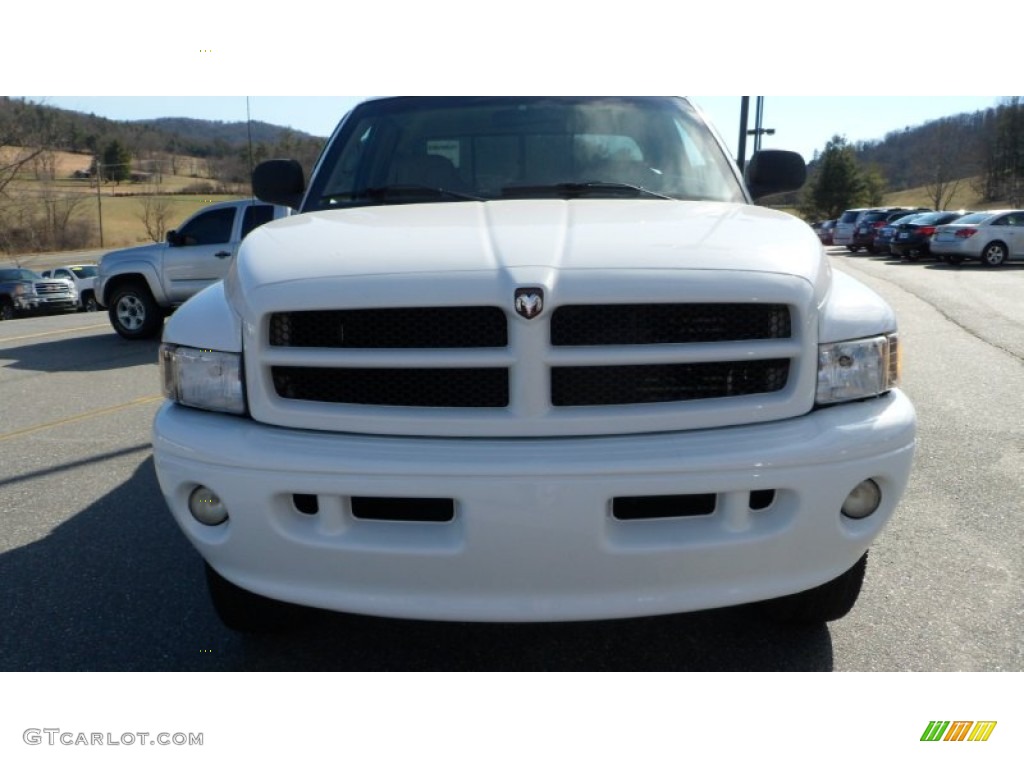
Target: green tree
[(874, 186), (837, 183), (117, 162)]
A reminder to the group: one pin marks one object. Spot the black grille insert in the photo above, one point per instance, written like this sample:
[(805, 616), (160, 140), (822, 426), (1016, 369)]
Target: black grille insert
[(403, 510), (417, 387), (401, 328), (612, 324), (659, 507), (632, 384)]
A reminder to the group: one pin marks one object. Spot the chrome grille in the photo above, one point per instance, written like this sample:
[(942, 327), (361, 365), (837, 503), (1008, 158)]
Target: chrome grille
[(48, 288)]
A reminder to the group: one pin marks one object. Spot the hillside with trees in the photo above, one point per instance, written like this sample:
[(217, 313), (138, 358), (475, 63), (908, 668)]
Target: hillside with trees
[(977, 156), (57, 166)]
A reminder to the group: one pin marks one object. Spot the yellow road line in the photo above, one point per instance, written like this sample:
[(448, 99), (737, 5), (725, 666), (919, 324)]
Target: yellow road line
[(80, 417), (52, 333)]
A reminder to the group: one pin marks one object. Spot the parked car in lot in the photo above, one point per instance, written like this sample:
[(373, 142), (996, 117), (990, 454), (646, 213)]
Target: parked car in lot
[(992, 237), (867, 223), (912, 239), (824, 230), (84, 277), (870, 222), (884, 235), (23, 291), (845, 226), (140, 286)]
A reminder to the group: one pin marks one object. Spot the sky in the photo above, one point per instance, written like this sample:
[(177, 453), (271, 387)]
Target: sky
[(817, 86), (801, 123)]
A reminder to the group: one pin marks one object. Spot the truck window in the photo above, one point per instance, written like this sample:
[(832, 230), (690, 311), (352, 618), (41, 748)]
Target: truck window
[(256, 216), (209, 228)]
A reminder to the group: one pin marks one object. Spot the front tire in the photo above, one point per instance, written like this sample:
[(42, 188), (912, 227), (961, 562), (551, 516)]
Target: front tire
[(243, 611), (134, 312), (828, 602), (89, 303), (994, 255), (7, 311)]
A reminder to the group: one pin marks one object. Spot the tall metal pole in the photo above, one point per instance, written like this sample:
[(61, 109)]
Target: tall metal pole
[(99, 202), (758, 116), (744, 111)]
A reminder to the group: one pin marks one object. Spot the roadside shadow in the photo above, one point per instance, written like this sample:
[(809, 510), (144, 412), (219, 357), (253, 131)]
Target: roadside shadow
[(87, 353), (1012, 266), (117, 587), (111, 588)]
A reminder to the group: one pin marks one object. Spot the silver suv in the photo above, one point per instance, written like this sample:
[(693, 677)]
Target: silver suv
[(846, 225)]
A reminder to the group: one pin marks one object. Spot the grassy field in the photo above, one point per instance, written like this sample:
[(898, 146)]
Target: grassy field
[(964, 198), (121, 204), (122, 223)]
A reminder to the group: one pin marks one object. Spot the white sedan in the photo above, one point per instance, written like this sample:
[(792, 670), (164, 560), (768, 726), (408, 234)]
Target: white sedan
[(992, 237)]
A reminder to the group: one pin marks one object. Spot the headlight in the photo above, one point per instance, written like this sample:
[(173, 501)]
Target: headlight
[(853, 370), (202, 378), (23, 289)]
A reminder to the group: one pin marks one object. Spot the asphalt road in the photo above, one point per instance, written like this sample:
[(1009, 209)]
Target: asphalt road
[(94, 575)]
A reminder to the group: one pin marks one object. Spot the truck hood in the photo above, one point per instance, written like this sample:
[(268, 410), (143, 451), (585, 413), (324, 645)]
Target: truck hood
[(522, 242)]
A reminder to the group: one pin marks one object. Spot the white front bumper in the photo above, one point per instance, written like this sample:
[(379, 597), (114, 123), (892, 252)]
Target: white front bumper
[(533, 538)]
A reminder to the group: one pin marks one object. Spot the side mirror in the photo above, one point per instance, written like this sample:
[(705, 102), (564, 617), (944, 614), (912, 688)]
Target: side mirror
[(774, 170), (173, 238), (281, 182)]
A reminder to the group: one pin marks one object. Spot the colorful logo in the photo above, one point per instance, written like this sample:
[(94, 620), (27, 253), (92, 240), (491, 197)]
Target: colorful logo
[(959, 730)]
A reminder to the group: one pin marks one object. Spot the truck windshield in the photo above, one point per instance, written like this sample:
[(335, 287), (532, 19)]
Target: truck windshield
[(453, 149)]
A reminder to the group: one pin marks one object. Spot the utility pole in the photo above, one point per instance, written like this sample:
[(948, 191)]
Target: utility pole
[(99, 201)]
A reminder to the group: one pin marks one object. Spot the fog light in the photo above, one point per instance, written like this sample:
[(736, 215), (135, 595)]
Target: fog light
[(206, 506), (863, 500)]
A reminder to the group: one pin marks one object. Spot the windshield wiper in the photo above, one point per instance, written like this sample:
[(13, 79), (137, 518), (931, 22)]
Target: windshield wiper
[(403, 191), (570, 189)]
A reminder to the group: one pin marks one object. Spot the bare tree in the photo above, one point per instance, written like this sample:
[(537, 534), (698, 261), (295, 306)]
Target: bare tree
[(23, 139), (26, 135), (939, 157), (60, 227), (155, 214), (44, 165)]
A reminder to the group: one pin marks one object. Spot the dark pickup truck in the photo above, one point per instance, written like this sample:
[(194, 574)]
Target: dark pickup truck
[(23, 291)]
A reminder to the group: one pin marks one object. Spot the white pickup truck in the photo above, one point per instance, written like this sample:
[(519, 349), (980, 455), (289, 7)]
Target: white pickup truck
[(531, 359), (139, 286), (83, 277)]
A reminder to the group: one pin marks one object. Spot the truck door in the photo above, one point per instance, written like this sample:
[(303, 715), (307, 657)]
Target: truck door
[(201, 252)]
